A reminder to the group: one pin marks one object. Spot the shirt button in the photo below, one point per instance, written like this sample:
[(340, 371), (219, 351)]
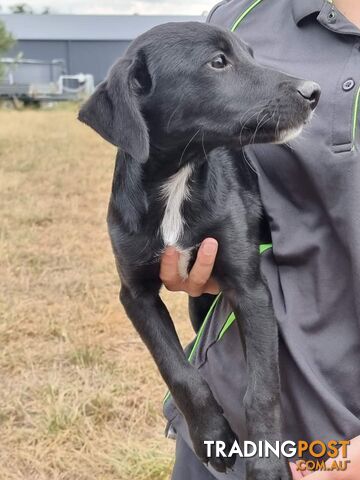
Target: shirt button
[(348, 85), (332, 16)]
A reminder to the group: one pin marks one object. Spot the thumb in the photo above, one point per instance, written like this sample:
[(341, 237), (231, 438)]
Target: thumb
[(296, 473)]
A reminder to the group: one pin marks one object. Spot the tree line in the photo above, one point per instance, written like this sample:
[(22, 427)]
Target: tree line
[(25, 8)]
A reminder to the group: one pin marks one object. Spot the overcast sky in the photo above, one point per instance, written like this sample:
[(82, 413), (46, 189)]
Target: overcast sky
[(145, 7)]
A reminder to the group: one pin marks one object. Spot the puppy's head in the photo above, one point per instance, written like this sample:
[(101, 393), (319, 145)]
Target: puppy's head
[(182, 81)]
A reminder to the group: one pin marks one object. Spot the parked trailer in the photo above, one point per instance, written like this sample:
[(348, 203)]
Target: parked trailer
[(35, 81)]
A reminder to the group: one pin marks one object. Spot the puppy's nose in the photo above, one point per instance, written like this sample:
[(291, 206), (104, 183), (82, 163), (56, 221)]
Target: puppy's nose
[(311, 91)]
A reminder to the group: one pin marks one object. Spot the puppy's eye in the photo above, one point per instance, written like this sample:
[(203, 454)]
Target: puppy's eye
[(219, 62)]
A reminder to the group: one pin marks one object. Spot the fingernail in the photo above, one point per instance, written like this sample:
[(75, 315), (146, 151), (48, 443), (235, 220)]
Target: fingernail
[(210, 247), (170, 251)]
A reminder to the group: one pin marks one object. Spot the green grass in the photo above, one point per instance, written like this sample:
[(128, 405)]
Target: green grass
[(80, 397)]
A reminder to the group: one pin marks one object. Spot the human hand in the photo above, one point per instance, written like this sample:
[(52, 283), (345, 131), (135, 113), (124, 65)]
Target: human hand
[(351, 473), (199, 280)]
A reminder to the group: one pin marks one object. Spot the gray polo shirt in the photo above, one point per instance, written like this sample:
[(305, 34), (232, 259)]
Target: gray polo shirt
[(311, 193)]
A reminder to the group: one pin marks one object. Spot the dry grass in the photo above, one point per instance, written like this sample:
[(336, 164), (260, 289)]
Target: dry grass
[(80, 397)]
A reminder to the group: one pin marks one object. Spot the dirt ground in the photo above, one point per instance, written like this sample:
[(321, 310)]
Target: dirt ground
[(80, 396)]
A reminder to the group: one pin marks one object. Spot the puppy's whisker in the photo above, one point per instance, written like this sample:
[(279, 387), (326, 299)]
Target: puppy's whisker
[(254, 107), (203, 146), (188, 145), (277, 127), (262, 123), (266, 120), (247, 121), (244, 124), (250, 165), (259, 105), (258, 125)]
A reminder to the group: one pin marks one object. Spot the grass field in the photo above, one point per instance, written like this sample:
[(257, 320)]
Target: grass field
[(80, 396)]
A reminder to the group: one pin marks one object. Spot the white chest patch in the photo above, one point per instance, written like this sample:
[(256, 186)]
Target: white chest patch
[(174, 192)]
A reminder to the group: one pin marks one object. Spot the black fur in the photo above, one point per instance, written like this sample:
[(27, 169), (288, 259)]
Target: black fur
[(165, 104)]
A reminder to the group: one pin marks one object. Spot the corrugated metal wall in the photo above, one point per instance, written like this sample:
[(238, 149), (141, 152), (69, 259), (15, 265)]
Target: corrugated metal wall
[(80, 56)]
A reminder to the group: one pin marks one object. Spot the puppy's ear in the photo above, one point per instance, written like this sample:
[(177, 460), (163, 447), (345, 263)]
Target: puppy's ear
[(113, 110)]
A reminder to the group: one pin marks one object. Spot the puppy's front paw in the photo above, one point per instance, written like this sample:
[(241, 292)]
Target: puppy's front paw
[(268, 469), (215, 428)]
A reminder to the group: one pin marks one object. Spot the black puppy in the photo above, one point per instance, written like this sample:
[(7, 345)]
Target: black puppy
[(180, 105)]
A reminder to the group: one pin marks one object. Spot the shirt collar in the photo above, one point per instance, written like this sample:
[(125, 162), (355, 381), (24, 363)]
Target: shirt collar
[(304, 8)]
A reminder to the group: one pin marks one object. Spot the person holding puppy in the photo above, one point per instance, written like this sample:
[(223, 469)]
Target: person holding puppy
[(311, 192)]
